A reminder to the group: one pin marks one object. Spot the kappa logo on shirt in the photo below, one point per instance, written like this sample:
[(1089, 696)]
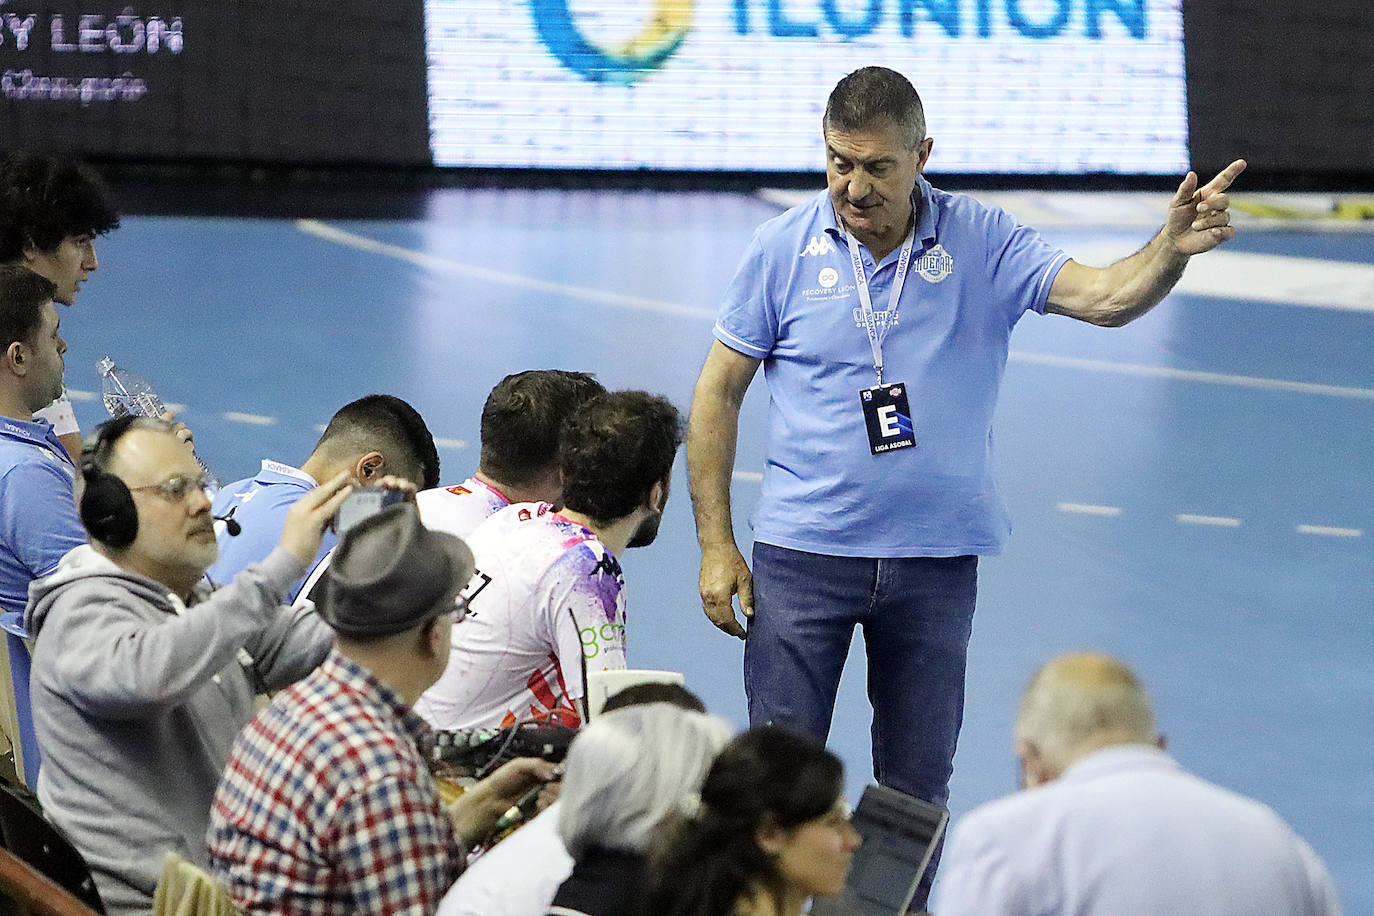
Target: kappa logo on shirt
[(935, 265), (608, 565), (817, 245)]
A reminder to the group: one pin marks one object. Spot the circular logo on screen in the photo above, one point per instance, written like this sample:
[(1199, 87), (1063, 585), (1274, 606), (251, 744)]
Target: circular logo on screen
[(620, 61), (828, 277)]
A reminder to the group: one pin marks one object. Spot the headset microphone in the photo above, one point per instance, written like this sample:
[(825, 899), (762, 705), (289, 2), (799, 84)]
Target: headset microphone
[(231, 526)]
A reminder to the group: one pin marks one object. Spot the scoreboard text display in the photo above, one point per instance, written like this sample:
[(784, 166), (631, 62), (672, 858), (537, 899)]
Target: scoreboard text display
[(1016, 86), (1010, 86)]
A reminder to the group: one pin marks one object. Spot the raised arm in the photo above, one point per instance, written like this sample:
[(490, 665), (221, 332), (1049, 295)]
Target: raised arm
[(1198, 221), (117, 660), (711, 437)]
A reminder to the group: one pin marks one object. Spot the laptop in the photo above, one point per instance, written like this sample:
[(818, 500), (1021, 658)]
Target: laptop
[(900, 834)]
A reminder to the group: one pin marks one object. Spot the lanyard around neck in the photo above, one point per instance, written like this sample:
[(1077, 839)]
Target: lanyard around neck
[(875, 338)]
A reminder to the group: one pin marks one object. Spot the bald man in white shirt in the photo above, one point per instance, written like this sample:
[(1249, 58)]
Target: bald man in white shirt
[(1110, 825)]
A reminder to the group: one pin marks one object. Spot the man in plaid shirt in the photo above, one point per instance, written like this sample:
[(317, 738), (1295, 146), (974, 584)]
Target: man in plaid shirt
[(327, 806)]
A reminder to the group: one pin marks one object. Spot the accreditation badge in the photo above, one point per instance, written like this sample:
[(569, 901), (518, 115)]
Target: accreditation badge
[(887, 416)]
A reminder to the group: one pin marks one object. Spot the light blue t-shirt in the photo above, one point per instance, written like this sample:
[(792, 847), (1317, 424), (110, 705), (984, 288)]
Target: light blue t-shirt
[(260, 505), (38, 518), (794, 304)]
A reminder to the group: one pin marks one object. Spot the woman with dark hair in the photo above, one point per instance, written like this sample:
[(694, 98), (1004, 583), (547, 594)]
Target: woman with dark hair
[(771, 830)]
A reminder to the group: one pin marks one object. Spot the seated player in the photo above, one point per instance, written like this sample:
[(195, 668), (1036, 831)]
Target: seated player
[(521, 422), (549, 596)]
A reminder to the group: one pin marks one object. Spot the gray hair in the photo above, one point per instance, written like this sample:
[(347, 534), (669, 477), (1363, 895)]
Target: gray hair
[(876, 97), (1080, 702), (629, 770)]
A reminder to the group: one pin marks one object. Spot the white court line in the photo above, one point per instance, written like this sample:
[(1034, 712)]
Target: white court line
[(1189, 375), (1218, 521), (748, 476), (1327, 531), (444, 265), (1281, 280), (252, 419), (1089, 509), (1248, 276)]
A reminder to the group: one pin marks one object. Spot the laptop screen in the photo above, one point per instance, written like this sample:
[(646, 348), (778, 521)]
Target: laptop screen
[(900, 834)]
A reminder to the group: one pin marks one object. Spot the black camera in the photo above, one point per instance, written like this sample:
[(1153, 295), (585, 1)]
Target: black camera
[(364, 503), (476, 752)]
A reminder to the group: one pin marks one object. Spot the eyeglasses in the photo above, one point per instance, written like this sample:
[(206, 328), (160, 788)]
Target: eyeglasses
[(175, 489)]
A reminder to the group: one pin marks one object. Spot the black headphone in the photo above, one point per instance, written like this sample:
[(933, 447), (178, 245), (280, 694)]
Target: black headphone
[(107, 506)]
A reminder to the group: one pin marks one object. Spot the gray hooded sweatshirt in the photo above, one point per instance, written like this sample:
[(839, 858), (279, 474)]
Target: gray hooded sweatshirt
[(137, 700)]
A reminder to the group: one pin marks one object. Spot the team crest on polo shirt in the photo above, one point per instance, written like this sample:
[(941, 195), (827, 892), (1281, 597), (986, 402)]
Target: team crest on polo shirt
[(935, 264)]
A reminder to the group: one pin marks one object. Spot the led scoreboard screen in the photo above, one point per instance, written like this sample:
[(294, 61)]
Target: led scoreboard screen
[(268, 80), (1010, 86), (1014, 86)]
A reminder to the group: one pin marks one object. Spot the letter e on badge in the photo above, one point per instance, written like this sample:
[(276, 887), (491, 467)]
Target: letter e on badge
[(887, 418)]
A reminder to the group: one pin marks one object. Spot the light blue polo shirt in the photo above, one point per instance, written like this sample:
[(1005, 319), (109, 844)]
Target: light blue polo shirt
[(38, 518), (794, 304), (260, 505)]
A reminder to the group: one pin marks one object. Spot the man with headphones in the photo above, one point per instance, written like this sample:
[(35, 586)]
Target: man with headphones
[(142, 674)]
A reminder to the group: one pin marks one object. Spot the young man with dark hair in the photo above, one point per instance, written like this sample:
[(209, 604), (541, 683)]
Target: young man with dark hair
[(51, 210), (327, 805), (372, 437), (548, 597), (521, 422), (38, 520), (142, 673)]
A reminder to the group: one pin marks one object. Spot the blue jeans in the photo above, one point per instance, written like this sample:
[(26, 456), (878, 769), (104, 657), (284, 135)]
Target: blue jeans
[(917, 616)]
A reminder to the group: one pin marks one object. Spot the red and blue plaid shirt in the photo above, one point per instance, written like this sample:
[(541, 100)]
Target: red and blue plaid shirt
[(327, 807)]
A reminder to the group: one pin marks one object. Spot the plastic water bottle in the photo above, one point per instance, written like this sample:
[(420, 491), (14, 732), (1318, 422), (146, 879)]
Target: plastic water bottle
[(127, 393)]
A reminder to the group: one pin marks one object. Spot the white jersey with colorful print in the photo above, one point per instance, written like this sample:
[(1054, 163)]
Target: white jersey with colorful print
[(547, 597), (453, 510), (459, 510)]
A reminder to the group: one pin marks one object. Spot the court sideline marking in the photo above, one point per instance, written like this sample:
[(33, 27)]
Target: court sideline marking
[(358, 242), (444, 265)]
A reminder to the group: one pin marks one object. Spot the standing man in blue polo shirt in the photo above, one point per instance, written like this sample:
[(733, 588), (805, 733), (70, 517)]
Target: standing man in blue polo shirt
[(881, 312), (38, 520)]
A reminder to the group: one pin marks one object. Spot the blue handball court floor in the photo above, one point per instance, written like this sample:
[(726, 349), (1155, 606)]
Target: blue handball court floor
[(1193, 492)]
